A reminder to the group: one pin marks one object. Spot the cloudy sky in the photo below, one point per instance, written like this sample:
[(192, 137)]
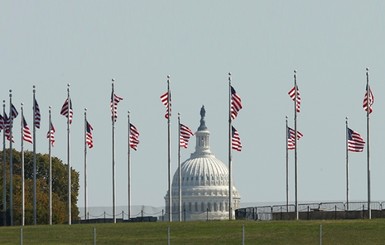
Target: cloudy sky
[(139, 43)]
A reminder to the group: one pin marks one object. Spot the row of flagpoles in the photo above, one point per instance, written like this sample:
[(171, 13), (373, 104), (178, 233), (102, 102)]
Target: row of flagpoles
[(354, 142)]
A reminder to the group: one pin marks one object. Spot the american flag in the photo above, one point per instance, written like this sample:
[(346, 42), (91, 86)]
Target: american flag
[(36, 114), (27, 136), (51, 134), (368, 100), (235, 140), (185, 134), (14, 112), (355, 142), (236, 103), (292, 96), (1, 123), (165, 98), (66, 110), (89, 140), (114, 106), (291, 138), (7, 127), (134, 137)]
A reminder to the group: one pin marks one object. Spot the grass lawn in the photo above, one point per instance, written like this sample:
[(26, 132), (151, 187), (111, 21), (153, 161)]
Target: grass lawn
[(212, 232)]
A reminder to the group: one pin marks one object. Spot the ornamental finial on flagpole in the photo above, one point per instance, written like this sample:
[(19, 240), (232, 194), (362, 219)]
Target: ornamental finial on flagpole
[(21, 104), (168, 76), (34, 88), (367, 69)]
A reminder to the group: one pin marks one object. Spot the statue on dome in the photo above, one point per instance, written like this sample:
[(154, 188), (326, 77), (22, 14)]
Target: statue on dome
[(203, 112)]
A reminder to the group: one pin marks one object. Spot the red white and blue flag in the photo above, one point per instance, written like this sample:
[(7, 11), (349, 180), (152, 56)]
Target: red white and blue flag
[(185, 134), (66, 110), (134, 137), (368, 100), (89, 138), (355, 142), (292, 93), (36, 115), (51, 134), (236, 103), (236, 140), (291, 138), (27, 136), (166, 100), (114, 106)]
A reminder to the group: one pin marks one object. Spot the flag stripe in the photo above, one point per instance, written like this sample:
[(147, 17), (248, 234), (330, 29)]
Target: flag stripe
[(89, 137), (165, 99), (368, 100), (27, 136), (66, 110), (291, 138), (37, 116), (114, 105), (51, 134), (292, 96)]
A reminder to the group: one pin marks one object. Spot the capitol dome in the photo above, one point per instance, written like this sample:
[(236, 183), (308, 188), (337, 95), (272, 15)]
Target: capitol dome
[(204, 185)]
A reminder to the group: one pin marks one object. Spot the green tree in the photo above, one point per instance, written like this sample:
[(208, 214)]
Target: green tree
[(59, 188)]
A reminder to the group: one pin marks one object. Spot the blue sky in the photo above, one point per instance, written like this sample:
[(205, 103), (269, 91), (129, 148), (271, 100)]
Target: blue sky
[(139, 43)]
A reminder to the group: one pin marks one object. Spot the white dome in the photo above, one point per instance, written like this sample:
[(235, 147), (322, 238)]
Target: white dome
[(205, 184)]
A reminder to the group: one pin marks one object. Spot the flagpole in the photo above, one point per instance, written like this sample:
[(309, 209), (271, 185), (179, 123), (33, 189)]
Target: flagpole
[(34, 158), (367, 140), (68, 154), (295, 149), (347, 164), (4, 172), (85, 163), (169, 150), (230, 157), (50, 168), (287, 169), (22, 169), (179, 173), (11, 158), (129, 168), (113, 159)]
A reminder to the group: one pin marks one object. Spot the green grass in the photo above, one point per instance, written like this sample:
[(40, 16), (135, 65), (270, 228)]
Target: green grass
[(213, 232)]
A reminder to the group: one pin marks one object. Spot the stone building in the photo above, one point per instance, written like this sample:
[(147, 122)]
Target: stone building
[(205, 183)]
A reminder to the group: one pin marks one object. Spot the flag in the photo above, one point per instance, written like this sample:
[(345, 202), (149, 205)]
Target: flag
[(292, 96), (1, 123), (66, 110), (355, 142), (51, 134), (368, 100), (114, 105), (236, 140), (236, 103), (89, 140), (7, 127), (185, 134), (36, 114), (291, 138), (27, 136), (134, 137), (165, 99), (14, 112)]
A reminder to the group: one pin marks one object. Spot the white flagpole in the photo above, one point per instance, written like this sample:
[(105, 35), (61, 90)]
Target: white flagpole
[(179, 173), (169, 150), (50, 167), (85, 163), (129, 168), (230, 156), (367, 140), (11, 158), (296, 146), (347, 164), (68, 154), (113, 156), (4, 174), (287, 168), (22, 169), (34, 159)]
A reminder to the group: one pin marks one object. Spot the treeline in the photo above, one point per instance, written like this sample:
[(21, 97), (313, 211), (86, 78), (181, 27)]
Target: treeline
[(59, 189)]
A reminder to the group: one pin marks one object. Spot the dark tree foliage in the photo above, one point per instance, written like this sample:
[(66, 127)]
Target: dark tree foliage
[(59, 189)]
